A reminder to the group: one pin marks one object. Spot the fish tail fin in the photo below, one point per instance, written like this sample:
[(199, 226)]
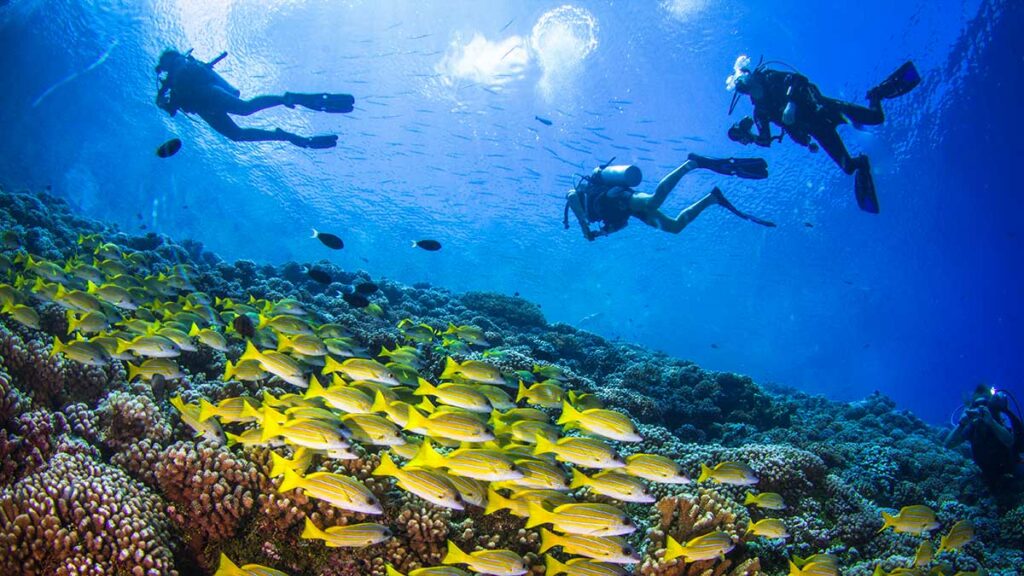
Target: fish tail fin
[(522, 393), (73, 321), (794, 570), (543, 445), (887, 521), (569, 414), (495, 501), (673, 549), (538, 514), (454, 555), (311, 532), (387, 466), (548, 539), (291, 480), (413, 244), (554, 566), (278, 466), (263, 320), (451, 367), (206, 410), (193, 331), (425, 388), (249, 411), (229, 370), (251, 353), (271, 423), (426, 405), (705, 473), (315, 390), (91, 287), (579, 480), (232, 439), (416, 420), (178, 403), (58, 347), (315, 233), (331, 366), (749, 499), (942, 545), (380, 403), (427, 456), (390, 571), (228, 568)]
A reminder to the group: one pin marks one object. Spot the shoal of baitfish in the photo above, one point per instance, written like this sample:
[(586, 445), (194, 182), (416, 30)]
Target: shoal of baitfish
[(463, 439)]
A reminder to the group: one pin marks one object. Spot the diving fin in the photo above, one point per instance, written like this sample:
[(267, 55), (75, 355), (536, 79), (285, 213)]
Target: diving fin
[(903, 80), (864, 188), (336, 103), (749, 168), (724, 203), (318, 142)]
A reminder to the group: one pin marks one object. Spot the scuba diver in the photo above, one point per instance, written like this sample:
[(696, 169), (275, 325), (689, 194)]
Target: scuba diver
[(791, 101), (607, 196), (996, 435), (192, 86)]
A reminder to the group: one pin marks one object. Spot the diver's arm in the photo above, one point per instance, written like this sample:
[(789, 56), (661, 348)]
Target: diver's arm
[(1003, 435), (764, 129), (576, 205), (956, 436)]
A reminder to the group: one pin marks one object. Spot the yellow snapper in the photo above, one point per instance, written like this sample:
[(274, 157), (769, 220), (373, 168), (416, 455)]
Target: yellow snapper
[(340, 396), (732, 473), (469, 334), (925, 553), (587, 519), (229, 410), (427, 484), (228, 568), (826, 559), (459, 426), (705, 547), (80, 351), (149, 346), (315, 434), (614, 485), (209, 337), (537, 474), (208, 429), (361, 369), (655, 468), (280, 365), (472, 491), (372, 429), (473, 463), (305, 344), (113, 295), (518, 503), (428, 571), (527, 430), (816, 569), (351, 536), (610, 549), (586, 452), (459, 395), (769, 528), (495, 562), (580, 567), (154, 367), (766, 500), (284, 324), (959, 535), (22, 314), (474, 370), (606, 423), (915, 519), (498, 398), (543, 394), (338, 490), (87, 322), (299, 462)]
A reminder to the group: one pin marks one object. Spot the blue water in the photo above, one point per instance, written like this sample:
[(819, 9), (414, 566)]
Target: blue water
[(920, 302)]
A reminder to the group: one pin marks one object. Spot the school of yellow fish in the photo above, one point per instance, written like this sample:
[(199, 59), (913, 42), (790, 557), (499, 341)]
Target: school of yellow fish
[(461, 441)]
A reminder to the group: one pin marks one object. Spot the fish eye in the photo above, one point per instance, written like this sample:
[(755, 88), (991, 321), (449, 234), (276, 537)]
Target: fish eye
[(458, 498), (627, 551), (513, 468), (371, 500), (627, 522)]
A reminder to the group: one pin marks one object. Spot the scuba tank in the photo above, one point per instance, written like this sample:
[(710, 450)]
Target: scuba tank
[(625, 175)]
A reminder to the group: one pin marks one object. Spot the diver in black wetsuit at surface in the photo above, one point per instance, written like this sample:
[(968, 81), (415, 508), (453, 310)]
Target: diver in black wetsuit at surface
[(793, 103), (193, 87), (996, 435), (607, 196)]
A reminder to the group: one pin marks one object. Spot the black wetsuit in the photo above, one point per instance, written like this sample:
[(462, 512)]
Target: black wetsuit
[(608, 205), (995, 459), (817, 116)]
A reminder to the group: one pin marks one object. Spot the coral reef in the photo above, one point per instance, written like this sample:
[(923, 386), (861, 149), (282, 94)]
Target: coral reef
[(102, 475)]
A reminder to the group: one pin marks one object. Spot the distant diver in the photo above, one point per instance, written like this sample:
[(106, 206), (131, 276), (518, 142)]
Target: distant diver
[(607, 196), (192, 86), (791, 101), (996, 435)]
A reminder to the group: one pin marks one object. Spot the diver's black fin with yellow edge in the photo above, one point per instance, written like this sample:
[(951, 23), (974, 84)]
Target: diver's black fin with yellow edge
[(864, 188), (335, 103), (903, 80), (749, 168)]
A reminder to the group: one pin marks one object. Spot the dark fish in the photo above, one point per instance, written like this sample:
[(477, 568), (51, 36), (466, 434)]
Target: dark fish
[(429, 245), (543, 121), (366, 288), (244, 326), (329, 240), (808, 225), (169, 148), (356, 300), (138, 215), (318, 275), (715, 346)]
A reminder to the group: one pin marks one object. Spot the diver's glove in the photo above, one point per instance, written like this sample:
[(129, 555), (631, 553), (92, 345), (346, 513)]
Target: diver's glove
[(789, 114)]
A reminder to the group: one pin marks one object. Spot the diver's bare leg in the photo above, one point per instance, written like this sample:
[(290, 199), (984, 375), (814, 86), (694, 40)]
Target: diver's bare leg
[(225, 125), (668, 183), (661, 221)]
